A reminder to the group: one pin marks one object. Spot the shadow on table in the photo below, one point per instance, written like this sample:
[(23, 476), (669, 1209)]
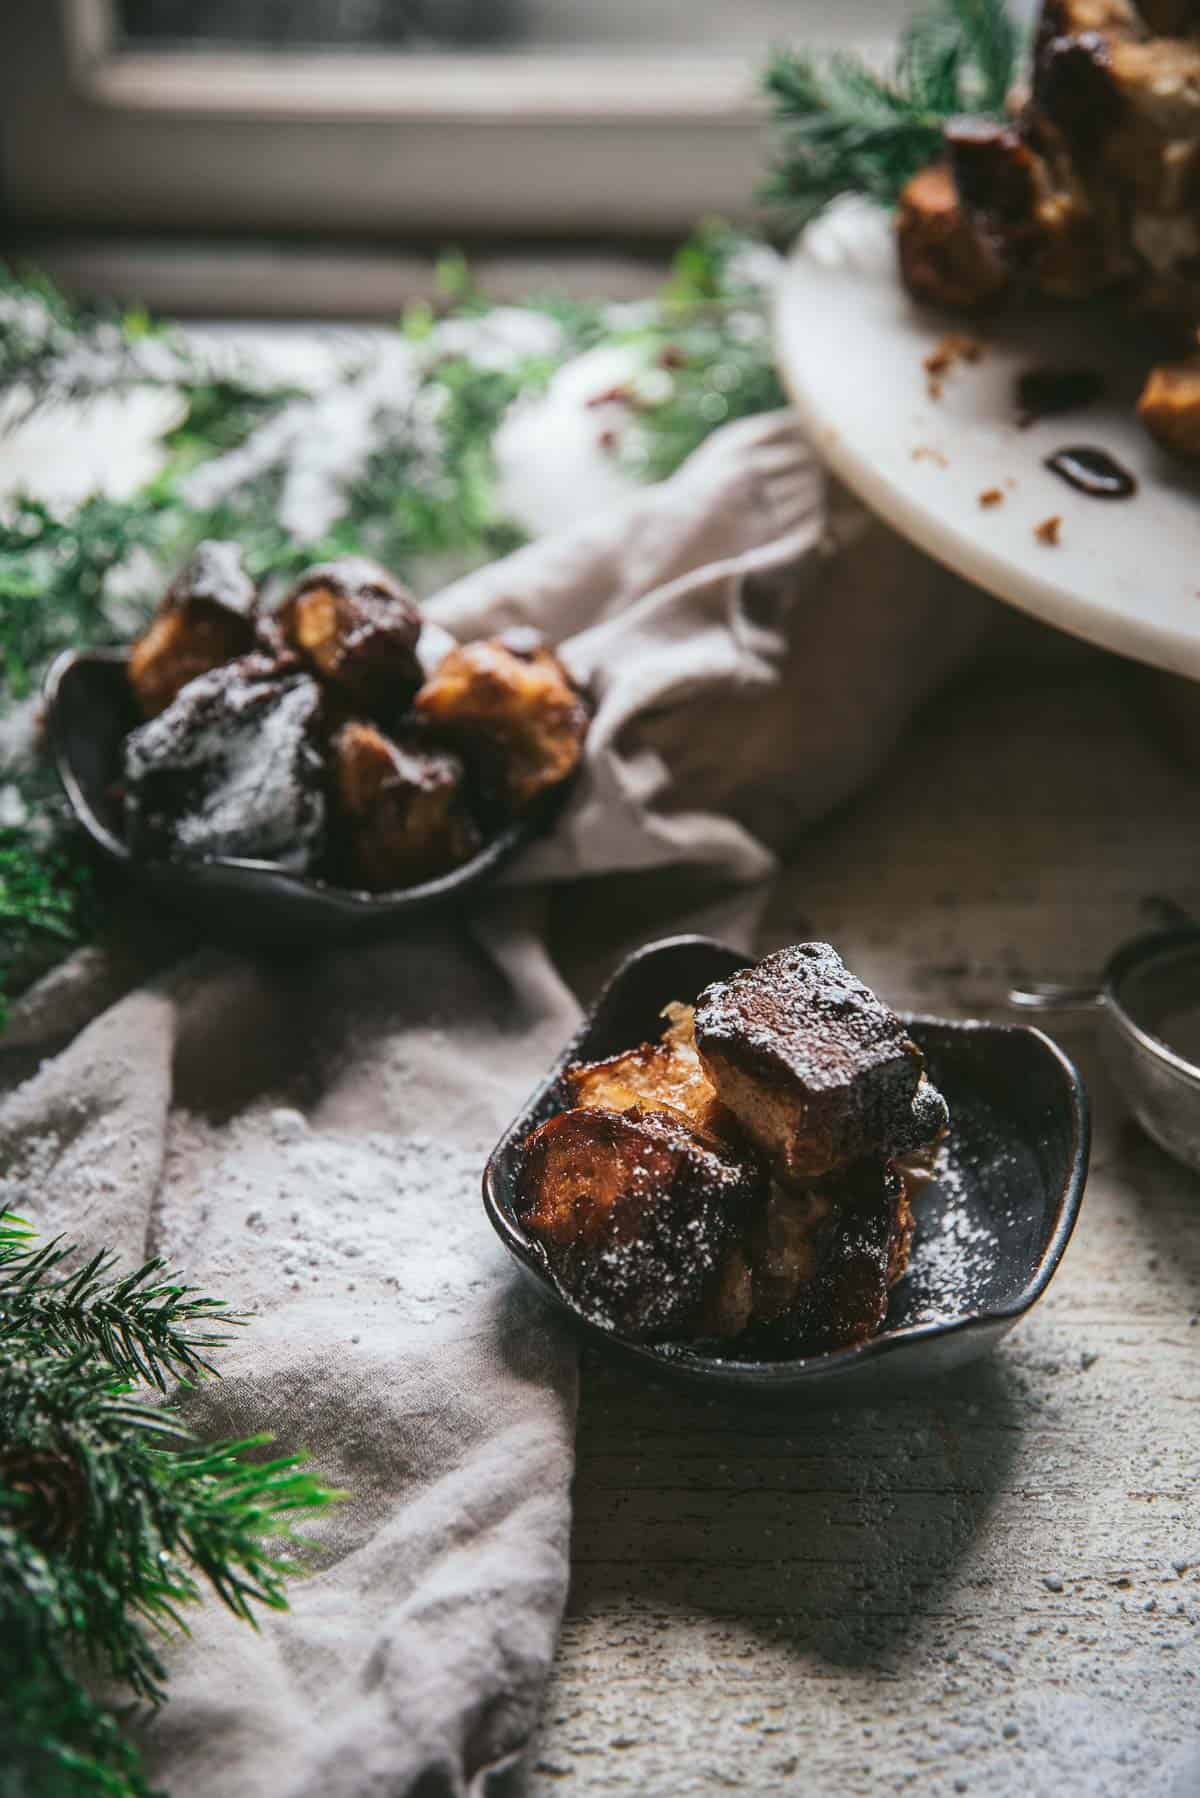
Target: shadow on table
[(836, 1530)]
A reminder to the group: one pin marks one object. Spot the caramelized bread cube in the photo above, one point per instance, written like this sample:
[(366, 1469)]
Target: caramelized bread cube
[(904, 1225), (827, 1284), (1092, 186), (729, 1301), (822, 1261), (848, 1299), (816, 1070), (229, 769), (786, 1249), (662, 1076), (1169, 407), (357, 628), (206, 619), (510, 700), (1036, 219), (944, 260), (996, 174), (402, 808), (641, 1220)]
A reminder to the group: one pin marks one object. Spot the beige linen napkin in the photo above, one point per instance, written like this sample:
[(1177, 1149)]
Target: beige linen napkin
[(306, 1141), (306, 1138), (754, 644)]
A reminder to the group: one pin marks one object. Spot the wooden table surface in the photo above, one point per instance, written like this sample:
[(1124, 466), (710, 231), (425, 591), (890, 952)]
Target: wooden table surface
[(991, 1584)]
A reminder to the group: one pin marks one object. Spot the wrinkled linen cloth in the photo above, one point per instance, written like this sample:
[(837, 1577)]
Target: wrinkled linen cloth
[(754, 644), (305, 1139)]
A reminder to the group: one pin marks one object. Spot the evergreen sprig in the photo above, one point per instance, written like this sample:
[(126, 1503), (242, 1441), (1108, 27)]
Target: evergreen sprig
[(842, 126), (53, 349), (113, 1519), (59, 1742), (47, 895), (145, 1327), (53, 569)]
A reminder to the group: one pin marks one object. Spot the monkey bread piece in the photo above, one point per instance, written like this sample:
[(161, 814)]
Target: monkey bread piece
[(847, 1301), (816, 1070), (229, 770), (857, 1233), (511, 701), (1093, 185), (787, 1243), (206, 619), (641, 1220), (904, 1225), (801, 1242), (357, 628), (661, 1076), (402, 810), (944, 259), (1169, 407)]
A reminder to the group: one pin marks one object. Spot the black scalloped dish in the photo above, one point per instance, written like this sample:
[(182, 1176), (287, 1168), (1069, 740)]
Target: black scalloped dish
[(990, 1231), (89, 712)]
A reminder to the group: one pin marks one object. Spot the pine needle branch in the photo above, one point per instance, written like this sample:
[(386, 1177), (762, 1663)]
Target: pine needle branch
[(57, 1739), (113, 1519), (58, 351), (228, 1516), (52, 350), (150, 1516), (144, 1327), (843, 127)]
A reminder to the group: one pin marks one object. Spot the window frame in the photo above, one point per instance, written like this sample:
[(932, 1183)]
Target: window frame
[(381, 144)]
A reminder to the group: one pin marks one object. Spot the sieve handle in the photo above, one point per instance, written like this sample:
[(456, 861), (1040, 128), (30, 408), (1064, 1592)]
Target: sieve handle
[(1053, 995)]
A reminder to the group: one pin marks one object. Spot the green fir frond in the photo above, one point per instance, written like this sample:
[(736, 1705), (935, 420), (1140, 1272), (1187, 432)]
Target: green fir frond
[(844, 127), (146, 1328), (114, 1520)]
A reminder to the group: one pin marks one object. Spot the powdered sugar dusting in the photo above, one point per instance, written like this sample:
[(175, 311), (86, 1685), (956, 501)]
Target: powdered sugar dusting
[(214, 572), (955, 1251), (252, 777), (386, 1226)]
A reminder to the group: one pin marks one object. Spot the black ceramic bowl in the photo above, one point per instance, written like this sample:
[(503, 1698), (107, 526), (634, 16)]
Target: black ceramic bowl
[(990, 1231), (89, 712)]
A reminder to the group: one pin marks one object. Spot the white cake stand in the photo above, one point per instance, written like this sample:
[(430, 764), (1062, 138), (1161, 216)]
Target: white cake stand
[(852, 347)]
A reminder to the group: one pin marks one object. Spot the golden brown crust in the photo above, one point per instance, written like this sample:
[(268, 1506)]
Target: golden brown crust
[(944, 259), (206, 619), (357, 628), (178, 646), (661, 1076), (1169, 407), (403, 809), (511, 701), (638, 1216)]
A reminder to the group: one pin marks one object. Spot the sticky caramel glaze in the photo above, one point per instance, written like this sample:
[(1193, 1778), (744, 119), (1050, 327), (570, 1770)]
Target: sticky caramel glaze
[(1092, 471)]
